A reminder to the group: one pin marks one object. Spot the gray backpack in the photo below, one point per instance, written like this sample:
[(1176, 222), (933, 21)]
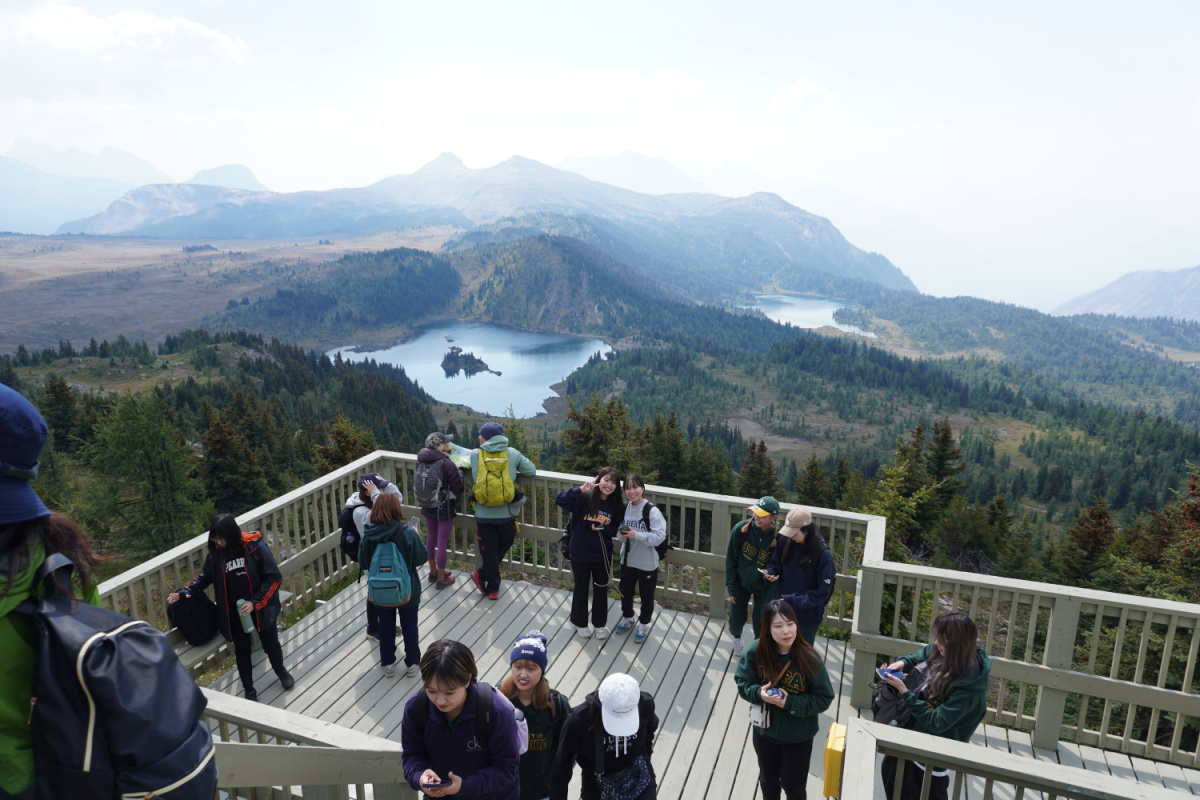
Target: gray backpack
[(428, 485)]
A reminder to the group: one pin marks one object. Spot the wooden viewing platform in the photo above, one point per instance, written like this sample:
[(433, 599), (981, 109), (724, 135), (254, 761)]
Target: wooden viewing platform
[(703, 747)]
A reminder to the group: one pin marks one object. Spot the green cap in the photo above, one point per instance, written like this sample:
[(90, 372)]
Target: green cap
[(765, 507)]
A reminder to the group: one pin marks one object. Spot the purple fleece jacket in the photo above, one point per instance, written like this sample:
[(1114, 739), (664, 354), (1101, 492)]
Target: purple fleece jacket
[(488, 769)]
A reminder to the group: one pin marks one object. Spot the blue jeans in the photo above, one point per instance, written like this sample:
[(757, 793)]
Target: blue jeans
[(387, 635)]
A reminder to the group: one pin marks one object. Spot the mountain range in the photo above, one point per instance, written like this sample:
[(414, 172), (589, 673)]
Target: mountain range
[(1144, 294)]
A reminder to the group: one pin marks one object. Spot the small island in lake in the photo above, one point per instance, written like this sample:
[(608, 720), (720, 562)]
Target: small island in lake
[(469, 363)]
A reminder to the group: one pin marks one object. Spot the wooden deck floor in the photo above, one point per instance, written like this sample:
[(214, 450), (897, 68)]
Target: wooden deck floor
[(703, 748)]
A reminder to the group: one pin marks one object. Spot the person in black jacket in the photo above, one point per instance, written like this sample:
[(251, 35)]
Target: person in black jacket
[(596, 512), (240, 567), (804, 569), (618, 718)]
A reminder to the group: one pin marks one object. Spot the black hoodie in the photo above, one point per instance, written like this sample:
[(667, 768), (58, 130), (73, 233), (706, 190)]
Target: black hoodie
[(579, 746)]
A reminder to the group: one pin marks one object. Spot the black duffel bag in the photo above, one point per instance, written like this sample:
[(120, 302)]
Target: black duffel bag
[(195, 616)]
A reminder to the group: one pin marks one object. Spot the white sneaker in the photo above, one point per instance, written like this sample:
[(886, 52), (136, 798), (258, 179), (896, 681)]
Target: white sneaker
[(413, 671), (388, 669), (584, 632), (601, 633), (739, 647), (640, 633)]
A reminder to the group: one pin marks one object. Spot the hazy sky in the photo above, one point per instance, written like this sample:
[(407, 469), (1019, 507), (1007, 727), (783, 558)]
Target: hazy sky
[(1041, 138)]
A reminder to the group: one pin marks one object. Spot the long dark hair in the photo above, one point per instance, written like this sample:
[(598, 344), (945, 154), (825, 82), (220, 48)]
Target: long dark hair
[(225, 526), (450, 663), (803, 658), (960, 637), (811, 548), (594, 499), (58, 535)]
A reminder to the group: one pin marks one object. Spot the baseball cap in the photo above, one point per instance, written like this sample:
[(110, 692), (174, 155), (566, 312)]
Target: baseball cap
[(435, 440), (380, 482), (23, 434), (797, 518), (765, 507), (619, 694)]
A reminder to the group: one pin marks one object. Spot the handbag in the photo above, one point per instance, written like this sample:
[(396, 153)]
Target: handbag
[(759, 716), (629, 783), (889, 707)]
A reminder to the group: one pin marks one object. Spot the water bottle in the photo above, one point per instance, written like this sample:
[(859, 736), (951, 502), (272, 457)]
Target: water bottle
[(248, 620)]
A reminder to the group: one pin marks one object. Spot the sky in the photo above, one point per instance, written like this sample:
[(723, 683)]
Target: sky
[(1024, 152)]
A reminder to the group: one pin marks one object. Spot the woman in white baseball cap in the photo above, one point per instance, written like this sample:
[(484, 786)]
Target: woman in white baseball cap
[(611, 737)]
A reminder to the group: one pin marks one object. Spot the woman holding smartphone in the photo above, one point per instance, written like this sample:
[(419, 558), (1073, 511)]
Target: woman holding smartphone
[(782, 676), (803, 567), (596, 511)]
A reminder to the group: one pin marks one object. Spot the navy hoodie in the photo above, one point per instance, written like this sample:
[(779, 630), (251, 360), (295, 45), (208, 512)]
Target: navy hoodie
[(806, 588), (586, 542)]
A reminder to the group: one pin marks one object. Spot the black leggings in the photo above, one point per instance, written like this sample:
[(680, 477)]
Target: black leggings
[(782, 766), (587, 575), (242, 647), (644, 580)]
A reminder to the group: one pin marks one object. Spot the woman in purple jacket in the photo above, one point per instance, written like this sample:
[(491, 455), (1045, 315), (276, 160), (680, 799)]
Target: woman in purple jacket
[(444, 753)]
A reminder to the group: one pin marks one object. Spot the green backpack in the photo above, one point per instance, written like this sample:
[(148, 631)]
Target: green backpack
[(494, 484)]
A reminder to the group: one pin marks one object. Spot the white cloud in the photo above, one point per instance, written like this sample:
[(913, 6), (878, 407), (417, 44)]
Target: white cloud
[(798, 93)]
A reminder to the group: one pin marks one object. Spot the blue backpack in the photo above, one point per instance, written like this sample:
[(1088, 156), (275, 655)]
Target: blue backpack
[(388, 581)]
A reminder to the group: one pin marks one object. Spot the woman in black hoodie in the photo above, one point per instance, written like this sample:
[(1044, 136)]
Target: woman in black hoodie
[(596, 512), (240, 567), (618, 720)]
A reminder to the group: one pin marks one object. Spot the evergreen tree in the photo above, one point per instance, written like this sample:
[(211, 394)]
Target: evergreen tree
[(8, 373), (943, 461), (347, 442), (1018, 558), (146, 485), (61, 412), (518, 436), (233, 474), (812, 486), (1086, 545), (841, 478), (758, 476)]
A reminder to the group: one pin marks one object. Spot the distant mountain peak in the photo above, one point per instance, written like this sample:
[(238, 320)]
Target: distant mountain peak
[(637, 172), (229, 176), (446, 162)]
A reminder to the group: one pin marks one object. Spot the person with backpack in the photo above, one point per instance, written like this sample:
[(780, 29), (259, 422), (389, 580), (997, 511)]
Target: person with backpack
[(803, 568), (545, 711), (751, 544), (29, 532), (786, 684), (389, 554), (353, 520), (642, 533), (611, 737), (596, 511), (437, 484), (245, 578), (952, 703), (459, 736), (495, 467)]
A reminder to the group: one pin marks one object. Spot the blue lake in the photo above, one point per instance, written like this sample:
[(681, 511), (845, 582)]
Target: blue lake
[(803, 312), (529, 364)]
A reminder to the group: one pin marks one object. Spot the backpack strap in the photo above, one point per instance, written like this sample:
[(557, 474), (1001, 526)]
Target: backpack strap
[(599, 750), (485, 711), (55, 571), (646, 514)]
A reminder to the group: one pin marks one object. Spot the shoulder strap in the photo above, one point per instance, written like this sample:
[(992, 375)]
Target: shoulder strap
[(421, 713), (484, 711), (49, 572), (646, 514), (599, 750)]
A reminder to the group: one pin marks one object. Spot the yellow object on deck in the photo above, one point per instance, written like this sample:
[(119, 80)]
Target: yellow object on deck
[(835, 749)]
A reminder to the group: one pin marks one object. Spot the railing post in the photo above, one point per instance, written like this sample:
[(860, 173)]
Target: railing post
[(716, 579), (1060, 650), (868, 609)]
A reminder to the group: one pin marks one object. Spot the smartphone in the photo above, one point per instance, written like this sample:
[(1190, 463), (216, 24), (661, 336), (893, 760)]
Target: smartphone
[(438, 784), (774, 692), (886, 673)]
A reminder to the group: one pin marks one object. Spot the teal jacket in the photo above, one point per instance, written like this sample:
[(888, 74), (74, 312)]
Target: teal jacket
[(956, 715), (749, 550), (797, 721), (517, 464), (408, 542), (17, 640)]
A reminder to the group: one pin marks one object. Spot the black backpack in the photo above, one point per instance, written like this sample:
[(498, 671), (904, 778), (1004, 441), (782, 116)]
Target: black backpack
[(428, 486), (114, 713), (351, 535), (195, 616), (663, 547), (889, 708), (485, 720)]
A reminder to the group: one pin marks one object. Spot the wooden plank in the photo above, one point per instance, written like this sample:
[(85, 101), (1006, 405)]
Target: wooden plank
[(997, 740), (1021, 744), (1093, 759), (1068, 755), (1119, 765), (1173, 778), (1193, 779), (1145, 771), (679, 689)]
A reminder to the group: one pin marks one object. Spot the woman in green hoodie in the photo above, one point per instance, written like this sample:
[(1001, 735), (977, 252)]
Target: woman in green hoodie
[(387, 525), (952, 702), (782, 675)]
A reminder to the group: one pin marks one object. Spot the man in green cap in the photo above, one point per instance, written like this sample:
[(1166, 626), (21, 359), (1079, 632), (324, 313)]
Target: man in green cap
[(751, 543)]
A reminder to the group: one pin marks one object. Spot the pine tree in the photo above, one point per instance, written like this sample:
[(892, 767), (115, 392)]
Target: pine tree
[(841, 477), (61, 412), (347, 442), (758, 477), (943, 461), (233, 474), (518, 436), (812, 485), (1086, 545)]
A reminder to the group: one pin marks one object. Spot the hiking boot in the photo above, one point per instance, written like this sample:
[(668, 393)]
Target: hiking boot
[(583, 631), (624, 625), (285, 679), (478, 585), (641, 633), (602, 633), (252, 695), (445, 579), (739, 647)]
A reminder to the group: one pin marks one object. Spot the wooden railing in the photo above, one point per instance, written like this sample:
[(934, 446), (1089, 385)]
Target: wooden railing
[(1096, 668), (976, 772), (267, 753)]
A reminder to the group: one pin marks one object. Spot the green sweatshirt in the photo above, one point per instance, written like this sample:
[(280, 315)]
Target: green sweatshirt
[(749, 550), (797, 721), (17, 639), (956, 715)]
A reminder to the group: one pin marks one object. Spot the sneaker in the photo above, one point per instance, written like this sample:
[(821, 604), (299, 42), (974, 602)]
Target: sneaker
[(372, 634), (478, 585), (624, 625), (493, 595), (739, 647), (413, 671), (584, 632), (252, 695), (388, 669), (641, 633), (285, 679), (602, 633)]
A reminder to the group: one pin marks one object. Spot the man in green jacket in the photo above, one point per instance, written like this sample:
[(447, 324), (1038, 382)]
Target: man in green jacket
[(751, 543), (26, 526), (496, 526)]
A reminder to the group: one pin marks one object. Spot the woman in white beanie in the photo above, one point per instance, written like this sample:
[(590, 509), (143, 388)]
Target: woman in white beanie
[(545, 711)]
